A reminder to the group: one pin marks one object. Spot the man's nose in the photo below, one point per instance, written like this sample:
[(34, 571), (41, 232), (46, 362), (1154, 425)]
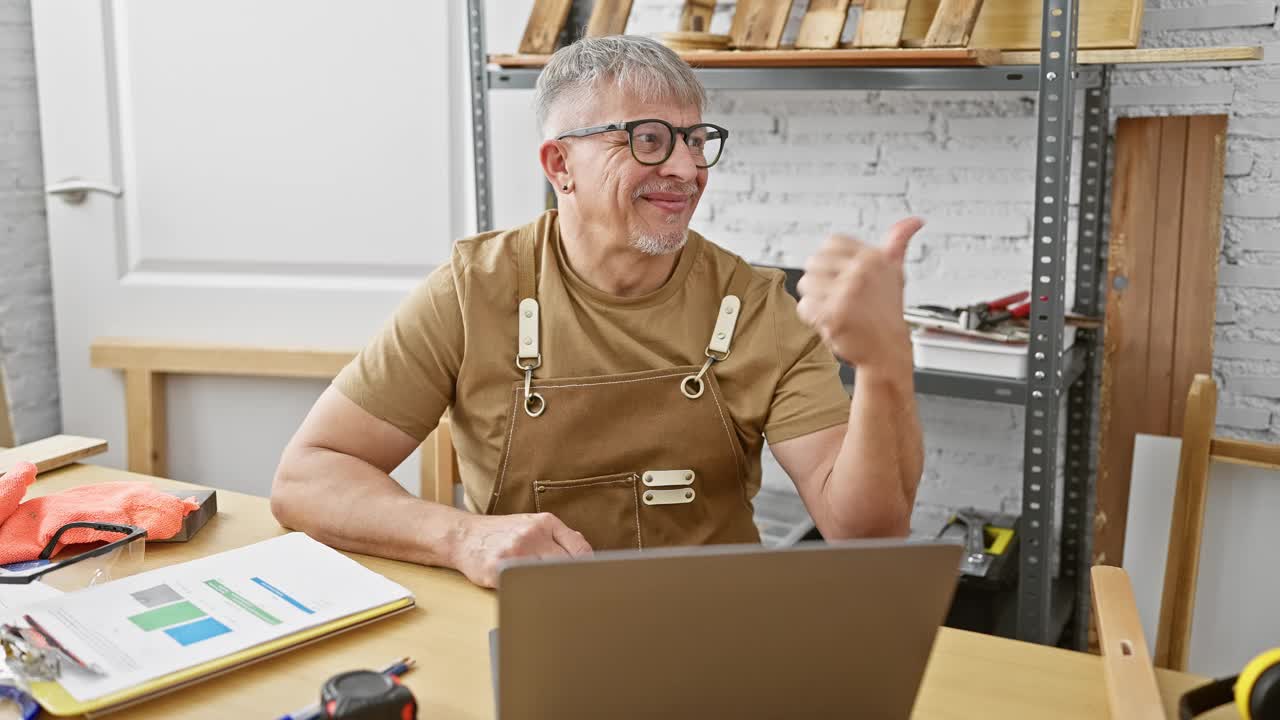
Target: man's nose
[(681, 164)]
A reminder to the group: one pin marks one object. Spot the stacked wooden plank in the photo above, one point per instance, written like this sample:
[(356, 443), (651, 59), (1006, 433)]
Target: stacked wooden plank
[(901, 33)]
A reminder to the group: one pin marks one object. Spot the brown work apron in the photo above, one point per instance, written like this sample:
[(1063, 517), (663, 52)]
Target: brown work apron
[(634, 460)]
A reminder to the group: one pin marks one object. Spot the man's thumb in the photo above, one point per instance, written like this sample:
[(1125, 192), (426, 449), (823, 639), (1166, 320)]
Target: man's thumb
[(899, 236)]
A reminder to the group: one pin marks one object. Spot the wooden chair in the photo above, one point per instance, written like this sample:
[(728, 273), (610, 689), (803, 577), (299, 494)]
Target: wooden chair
[(438, 486), (1199, 447)]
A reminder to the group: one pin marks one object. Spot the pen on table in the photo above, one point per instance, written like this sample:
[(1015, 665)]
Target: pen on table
[(312, 711)]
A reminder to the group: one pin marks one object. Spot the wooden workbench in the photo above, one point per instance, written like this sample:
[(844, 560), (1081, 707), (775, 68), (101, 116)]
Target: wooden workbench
[(969, 675)]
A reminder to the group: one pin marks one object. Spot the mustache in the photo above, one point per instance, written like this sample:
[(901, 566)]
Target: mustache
[(687, 189)]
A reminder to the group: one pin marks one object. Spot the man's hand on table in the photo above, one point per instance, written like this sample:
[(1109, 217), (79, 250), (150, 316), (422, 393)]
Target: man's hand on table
[(484, 542), (852, 295)]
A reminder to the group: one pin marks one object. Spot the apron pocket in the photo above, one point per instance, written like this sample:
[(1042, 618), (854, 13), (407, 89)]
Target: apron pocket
[(605, 509)]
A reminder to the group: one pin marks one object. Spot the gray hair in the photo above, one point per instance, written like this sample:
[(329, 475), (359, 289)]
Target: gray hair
[(638, 65)]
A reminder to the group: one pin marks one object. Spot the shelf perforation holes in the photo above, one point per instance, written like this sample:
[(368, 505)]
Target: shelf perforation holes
[(1052, 216)]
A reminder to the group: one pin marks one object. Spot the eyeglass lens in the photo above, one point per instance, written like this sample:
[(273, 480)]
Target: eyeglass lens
[(652, 143)]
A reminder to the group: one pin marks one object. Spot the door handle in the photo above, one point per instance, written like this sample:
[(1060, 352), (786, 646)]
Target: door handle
[(74, 190)]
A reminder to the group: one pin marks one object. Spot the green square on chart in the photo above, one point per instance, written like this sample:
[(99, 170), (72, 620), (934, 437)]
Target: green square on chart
[(163, 617)]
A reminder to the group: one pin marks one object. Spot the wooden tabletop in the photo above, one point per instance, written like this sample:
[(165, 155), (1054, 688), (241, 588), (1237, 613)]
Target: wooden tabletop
[(969, 675)]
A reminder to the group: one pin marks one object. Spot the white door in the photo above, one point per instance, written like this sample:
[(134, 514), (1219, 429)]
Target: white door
[(288, 171)]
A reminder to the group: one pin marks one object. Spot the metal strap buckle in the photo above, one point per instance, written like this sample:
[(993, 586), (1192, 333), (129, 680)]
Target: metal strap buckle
[(534, 403), (690, 382)]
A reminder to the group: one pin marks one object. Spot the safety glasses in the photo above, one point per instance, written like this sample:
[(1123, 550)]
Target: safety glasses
[(81, 569)]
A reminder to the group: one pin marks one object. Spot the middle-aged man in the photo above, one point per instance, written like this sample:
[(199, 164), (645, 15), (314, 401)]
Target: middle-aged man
[(611, 375)]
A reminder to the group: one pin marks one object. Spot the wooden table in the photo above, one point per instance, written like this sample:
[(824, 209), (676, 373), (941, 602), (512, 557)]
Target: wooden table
[(969, 675)]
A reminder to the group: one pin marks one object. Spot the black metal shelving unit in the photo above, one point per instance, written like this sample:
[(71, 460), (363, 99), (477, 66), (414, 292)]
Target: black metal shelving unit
[(1056, 376)]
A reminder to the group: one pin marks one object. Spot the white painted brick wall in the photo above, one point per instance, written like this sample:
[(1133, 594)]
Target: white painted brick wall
[(844, 125), (1258, 276), (1204, 16), (820, 184), (965, 161), (1262, 386), (1210, 94), (1239, 162), (27, 350), (1252, 205), (1260, 240)]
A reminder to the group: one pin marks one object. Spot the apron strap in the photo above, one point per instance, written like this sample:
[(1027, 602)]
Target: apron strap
[(528, 350), (722, 334)]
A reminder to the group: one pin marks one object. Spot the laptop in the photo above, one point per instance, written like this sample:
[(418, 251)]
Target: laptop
[(839, 629)]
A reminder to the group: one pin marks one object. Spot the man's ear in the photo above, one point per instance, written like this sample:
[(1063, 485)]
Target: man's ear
[(555, 163)]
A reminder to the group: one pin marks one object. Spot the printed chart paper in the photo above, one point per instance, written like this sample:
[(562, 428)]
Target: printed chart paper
[(150, 625)]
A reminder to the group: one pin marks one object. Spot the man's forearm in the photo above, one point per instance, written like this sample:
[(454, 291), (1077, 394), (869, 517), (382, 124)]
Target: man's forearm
[(347, 503), (872, 486)]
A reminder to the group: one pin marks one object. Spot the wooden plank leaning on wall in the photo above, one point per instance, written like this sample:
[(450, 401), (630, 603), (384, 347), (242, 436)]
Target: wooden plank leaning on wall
[(6, 419), (1166, 235), (146, 363)]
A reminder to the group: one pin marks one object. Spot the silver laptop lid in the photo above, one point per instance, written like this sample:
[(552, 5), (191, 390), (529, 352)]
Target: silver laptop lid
[(817, 630)]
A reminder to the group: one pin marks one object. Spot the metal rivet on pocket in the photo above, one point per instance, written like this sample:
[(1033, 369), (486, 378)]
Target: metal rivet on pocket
[(688, 476), (648, 497), (648, 478), (689, 494), (541, 489)]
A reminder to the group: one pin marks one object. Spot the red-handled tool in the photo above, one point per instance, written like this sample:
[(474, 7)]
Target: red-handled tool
[(988, 313)]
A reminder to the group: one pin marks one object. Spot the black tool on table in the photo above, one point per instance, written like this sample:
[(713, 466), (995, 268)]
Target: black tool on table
[(367, 695)]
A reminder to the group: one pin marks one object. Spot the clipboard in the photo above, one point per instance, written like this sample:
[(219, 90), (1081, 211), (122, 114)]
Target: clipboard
[(245, 590), (58, 702)]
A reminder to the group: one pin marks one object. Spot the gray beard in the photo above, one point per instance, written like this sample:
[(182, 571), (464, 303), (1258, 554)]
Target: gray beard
[(656, 245)]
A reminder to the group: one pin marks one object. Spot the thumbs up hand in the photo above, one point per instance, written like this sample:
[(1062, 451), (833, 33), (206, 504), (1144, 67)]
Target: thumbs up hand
[(851, 294)]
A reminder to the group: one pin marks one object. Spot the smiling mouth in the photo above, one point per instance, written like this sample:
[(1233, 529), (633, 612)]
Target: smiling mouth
[(668, 202)]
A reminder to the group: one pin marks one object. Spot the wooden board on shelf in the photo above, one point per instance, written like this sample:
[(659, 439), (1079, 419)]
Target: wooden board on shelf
[(545, 23), (1236, 53), (1015, 24), (608, 17), (822, 24), (953, 23), (941, 57), (1165, 233), (696, 15), (881, 24), (758, 24)]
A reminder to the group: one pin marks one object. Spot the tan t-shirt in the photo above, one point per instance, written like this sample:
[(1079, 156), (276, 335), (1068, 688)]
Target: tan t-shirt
[(452, 344)]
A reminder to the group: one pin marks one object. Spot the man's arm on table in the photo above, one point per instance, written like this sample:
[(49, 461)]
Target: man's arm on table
[(334, 484)]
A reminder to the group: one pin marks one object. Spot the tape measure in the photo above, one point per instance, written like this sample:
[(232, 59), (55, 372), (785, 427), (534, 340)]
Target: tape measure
[(1256, 691), (367, 695)]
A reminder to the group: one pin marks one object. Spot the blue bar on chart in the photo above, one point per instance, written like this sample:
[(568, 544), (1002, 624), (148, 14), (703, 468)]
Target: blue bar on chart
[(277, 591), (198, 631)]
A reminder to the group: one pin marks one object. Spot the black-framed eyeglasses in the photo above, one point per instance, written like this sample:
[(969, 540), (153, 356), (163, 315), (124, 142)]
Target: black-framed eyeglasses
[(128, 544), (652, 140)]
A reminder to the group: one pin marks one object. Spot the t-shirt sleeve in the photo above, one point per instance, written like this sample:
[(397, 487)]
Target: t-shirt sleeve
[(809, 395), (407, 374)]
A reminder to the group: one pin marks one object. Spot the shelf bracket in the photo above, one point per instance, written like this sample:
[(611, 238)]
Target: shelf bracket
[(478, 61), (1081, 490), (1056, 108)]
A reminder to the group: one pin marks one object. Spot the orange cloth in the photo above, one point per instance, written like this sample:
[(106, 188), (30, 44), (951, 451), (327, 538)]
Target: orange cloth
[(25, 528)]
